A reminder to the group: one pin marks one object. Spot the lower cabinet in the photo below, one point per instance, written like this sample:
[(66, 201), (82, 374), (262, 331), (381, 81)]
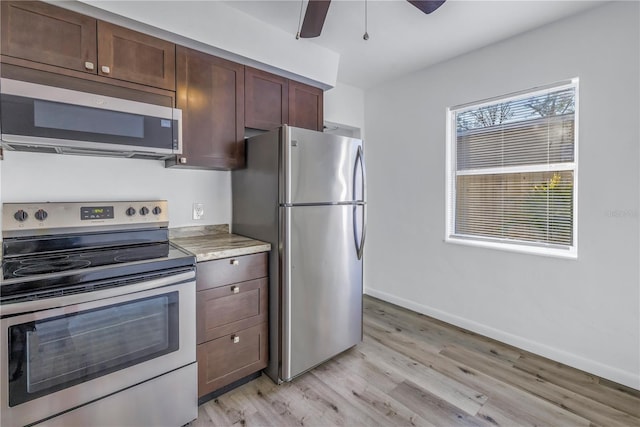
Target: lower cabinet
[(231, 357), (231, 320)]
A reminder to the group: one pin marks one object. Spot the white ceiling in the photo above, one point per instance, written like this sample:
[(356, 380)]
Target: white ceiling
[(401, 38)]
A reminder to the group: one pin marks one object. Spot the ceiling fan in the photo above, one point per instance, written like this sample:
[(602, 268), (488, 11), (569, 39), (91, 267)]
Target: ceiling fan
[(317, 12)]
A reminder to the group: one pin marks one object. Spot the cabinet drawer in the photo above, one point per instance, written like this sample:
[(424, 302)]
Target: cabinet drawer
[(211, 274), (225, 360), (223, 310)]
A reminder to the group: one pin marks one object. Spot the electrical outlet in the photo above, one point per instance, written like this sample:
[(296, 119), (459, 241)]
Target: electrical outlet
[(198, 210)]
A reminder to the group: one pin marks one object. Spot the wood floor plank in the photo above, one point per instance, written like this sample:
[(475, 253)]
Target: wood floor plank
[(433, 408), (507, 402), (465, 398), (234, 408), (581, 382), (437, 331), (336, 409), (285, 403), (619, 387), (412, 370), (365, 366), (366, 397), (581, 405)]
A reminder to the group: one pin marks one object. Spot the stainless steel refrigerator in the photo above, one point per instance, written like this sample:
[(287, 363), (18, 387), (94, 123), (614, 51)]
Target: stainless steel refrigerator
[(305, 193)]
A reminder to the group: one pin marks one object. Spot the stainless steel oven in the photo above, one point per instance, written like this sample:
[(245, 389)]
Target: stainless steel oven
[(97, 317)]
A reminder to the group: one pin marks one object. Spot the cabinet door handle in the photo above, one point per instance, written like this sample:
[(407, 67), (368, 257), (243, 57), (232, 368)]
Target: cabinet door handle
[(235, 339), (89, 65), (234, 262), (235, 289), (106, 69)]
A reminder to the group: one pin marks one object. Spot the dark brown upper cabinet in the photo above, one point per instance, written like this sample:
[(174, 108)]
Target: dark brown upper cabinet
[(47, 34), (46, 37), (271, 101), (266, 99), (131, 56), (210, 93), (305, 106)]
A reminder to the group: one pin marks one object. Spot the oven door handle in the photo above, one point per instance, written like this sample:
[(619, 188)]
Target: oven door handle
[(63, 301)]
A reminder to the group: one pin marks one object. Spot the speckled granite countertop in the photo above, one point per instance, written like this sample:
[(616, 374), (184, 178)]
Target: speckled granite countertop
[(215, 242)]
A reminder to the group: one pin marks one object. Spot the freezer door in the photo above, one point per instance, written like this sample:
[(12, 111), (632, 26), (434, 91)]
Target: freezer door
[(321, 285), (321, 168)]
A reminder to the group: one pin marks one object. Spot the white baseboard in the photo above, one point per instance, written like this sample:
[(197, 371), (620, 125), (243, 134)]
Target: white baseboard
[(629, 379)]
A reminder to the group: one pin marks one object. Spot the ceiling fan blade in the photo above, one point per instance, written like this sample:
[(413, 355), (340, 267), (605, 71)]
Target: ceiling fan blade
[(314, 18), (427, 6)]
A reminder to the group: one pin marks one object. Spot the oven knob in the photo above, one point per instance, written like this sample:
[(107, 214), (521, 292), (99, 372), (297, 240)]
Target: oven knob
[(157, 210), (144, 210), (130, 212), (21, 215), (41, 214)]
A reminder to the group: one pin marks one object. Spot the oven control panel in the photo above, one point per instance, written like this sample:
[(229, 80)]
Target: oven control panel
[(24, 217)]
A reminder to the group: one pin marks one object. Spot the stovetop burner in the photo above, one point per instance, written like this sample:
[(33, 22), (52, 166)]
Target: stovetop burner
[(45, 266)]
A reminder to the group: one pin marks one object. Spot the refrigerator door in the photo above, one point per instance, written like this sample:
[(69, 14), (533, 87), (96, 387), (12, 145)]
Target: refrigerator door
[(322, 284), (321, 168)]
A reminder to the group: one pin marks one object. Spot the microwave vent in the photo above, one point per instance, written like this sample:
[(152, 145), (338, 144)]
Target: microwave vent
[(31, 148)]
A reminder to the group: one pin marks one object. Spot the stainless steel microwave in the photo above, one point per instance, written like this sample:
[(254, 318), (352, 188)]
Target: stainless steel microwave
[(39, 118)]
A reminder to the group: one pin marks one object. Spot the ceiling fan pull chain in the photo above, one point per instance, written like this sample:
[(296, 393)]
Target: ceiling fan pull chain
[(366, 34), (300, 20)]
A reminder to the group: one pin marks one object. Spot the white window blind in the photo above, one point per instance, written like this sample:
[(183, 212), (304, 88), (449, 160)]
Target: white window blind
[(512, 166)]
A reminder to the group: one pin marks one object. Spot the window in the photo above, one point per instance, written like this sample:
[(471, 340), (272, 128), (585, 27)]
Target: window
[(512, 171)]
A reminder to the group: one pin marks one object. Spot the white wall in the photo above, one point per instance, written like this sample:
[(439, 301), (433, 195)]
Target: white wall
[(31, 177), (582, 312), (344, 104)]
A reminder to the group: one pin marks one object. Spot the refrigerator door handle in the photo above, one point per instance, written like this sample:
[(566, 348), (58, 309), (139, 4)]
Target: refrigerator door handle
[(363, 174), (360, 160), (359, 243)]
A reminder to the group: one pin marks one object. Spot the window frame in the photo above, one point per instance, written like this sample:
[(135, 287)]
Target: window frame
[(548, 249)]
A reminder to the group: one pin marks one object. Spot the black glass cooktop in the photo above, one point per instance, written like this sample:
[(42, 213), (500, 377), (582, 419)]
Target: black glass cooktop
[(61, 262), (93, 262)]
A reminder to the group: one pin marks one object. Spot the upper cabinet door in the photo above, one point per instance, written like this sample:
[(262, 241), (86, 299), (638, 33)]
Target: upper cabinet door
[(266, 100), (305, 106), (46, 34), (135, 57), (210, 94)]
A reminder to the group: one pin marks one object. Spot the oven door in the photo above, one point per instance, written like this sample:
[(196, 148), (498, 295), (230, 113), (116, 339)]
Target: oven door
[(57, 359)]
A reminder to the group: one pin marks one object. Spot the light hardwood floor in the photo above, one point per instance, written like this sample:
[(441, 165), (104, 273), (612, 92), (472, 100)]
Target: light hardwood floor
[(411, 369)]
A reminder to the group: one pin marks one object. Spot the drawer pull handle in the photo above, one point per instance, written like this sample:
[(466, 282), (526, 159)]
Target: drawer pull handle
[(89, 65), (235, 339), (234, 262), (235, 289), (106, 69)]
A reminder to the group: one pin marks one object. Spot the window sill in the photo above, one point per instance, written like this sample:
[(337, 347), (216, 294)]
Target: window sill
[(570, 253)]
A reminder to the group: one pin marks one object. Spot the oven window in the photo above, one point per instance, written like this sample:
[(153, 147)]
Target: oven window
[(52, 354)]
